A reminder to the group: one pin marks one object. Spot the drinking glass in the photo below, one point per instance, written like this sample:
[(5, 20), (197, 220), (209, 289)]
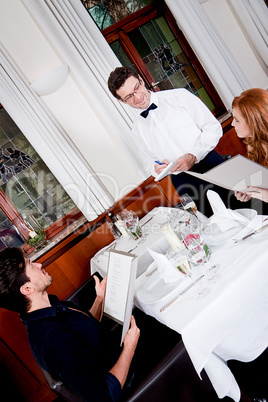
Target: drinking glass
[(189, 205), (180, 261), (198, 251), (132, 223)]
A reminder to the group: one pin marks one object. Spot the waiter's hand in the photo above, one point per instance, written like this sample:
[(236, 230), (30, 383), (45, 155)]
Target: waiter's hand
[(158, 168), (184, 162)]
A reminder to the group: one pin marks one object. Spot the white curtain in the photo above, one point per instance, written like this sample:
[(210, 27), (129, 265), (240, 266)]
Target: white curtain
[(81, 45), (224, 72), (50, 141), (253, 16)]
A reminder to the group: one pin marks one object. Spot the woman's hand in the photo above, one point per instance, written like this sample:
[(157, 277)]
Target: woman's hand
[(258, 192), (244, 197)]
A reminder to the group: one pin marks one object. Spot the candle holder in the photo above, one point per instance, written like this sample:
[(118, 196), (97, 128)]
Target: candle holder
[(37, 236)]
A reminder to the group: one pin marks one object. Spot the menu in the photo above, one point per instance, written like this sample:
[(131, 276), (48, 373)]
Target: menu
[(236, 173), (120, 288)]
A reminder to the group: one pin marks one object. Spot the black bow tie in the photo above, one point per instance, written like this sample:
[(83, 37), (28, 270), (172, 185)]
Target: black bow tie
[(146, 112)]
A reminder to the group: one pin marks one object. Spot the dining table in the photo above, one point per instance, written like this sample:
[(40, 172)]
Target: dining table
[(231, 321)]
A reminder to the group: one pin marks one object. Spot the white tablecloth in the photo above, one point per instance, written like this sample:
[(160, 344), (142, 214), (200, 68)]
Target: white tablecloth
[(231, 322)]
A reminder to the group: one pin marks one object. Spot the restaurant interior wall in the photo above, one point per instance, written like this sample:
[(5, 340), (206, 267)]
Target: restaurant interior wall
[(87, 129), (78, 115)]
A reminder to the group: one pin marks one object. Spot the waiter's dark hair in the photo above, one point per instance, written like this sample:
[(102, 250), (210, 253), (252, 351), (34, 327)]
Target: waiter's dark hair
[(118, 77)]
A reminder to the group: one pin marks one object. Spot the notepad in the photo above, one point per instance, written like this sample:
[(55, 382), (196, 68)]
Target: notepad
[(120, 288), (164, 172)]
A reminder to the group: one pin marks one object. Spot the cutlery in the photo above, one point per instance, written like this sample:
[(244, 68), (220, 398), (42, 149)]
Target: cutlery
[(129, 251), (147, 221), (252, 233), (151, 273), (181, 293)]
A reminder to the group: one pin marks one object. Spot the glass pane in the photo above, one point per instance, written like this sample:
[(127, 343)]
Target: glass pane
[(16, 194), (9, 235), (10, 129), (107, 12), (3, 137), (30, 183), (165, 59), (26, 180), (140, 44), (133, 5), (121, 54), (62, 198), (44, 175), (101, 16), (31, 209), (3, 216), (22, 143), (49, 209)]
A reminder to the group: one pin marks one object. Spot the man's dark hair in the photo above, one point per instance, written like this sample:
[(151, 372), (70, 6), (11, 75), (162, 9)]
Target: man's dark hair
[(118, 77), (12, 277)]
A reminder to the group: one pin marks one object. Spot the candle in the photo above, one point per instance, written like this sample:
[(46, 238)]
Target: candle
[(172, 238), (121, 226), (32, 234)]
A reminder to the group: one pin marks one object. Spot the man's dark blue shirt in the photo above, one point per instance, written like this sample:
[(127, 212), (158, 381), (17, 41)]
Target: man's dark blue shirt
[(73, 346)]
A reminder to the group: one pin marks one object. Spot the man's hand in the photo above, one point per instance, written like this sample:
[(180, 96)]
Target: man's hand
[(121, 367), (132, 336), (184, 162), (96, 309), (158, 168), (100, 286)]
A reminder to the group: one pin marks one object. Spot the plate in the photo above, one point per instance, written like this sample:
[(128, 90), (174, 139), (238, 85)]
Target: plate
[(154, 288), (212, 235)]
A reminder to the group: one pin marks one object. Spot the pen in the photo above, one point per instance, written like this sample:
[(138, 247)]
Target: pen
[(159, 163)]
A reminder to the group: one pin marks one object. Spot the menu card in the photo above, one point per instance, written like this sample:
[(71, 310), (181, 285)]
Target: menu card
[(120, 288), (236, 173)]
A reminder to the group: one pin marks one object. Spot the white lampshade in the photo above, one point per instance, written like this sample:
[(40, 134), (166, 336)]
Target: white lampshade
[(51, 81)]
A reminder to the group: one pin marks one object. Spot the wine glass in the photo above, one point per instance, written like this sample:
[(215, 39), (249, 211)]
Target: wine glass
[(132, 224), (198, 251), (189, 205)]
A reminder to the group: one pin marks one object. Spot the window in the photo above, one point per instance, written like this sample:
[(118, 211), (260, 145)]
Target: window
[(145, 36), (108, 12), (27, 188)]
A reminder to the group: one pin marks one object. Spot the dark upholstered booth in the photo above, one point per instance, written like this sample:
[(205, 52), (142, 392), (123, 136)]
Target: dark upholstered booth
[(172, 379)]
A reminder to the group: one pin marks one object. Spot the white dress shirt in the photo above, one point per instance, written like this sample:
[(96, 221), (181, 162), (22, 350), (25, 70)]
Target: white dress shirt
[(181, 124)]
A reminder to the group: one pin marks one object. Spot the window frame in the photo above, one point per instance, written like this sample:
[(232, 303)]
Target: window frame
[(13, 215)]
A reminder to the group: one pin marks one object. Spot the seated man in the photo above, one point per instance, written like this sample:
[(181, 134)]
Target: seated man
[(74, 346), (70, 344)]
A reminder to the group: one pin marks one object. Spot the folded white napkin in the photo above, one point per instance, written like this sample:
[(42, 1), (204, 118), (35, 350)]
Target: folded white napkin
[(223, 217), (166, 269)]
